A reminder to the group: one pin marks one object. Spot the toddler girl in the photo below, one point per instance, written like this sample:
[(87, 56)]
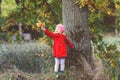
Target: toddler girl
[(59, 46)]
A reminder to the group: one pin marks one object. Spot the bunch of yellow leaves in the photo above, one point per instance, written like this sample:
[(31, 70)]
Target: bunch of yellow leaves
[(40, 24)]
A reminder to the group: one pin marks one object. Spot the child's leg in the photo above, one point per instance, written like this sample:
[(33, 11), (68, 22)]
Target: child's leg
[(62, 64), (57, 62)]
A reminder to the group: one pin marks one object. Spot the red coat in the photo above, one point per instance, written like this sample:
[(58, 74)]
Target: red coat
[(60, 43)]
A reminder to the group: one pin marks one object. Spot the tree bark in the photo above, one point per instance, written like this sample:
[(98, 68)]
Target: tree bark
[(75, 20)]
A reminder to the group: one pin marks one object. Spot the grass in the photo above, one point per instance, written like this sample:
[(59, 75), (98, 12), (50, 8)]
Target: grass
[(18, 57), (112, 40), (16, 74)]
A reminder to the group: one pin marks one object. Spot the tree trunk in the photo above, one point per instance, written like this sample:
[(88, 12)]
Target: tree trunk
[(75, 20)]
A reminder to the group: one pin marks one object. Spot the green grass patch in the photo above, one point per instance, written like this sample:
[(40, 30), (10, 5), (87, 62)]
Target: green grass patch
[(112, 40)]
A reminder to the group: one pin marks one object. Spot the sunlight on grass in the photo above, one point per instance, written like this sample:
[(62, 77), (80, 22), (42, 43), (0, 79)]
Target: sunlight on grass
[(112, 40)]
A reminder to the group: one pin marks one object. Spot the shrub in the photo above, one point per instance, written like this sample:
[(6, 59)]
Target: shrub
[(109, 55), (27, 56)]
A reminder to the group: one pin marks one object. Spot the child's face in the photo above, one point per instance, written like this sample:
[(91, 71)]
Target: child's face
[(58, 30)]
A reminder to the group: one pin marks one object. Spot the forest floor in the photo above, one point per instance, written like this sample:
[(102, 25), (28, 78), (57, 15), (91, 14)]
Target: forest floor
[(15, 74)]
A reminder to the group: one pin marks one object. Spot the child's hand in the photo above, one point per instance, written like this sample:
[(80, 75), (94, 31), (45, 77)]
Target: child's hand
[(43, 28)]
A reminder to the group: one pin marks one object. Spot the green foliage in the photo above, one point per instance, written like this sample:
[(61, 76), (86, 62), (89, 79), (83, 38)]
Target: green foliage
[(30, 12), (96, 5), (28, 57), (105, 49), (109, 54), (118, 18), (7, 6)]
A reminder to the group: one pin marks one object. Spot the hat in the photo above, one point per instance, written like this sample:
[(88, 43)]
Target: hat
[(61, 26)]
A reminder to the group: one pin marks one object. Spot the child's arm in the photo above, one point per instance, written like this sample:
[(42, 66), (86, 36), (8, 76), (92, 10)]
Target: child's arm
[(48, 33), (69, 43)]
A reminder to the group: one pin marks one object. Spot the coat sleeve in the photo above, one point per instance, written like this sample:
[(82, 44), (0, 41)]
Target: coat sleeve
[(49, 33), (69, 43)]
